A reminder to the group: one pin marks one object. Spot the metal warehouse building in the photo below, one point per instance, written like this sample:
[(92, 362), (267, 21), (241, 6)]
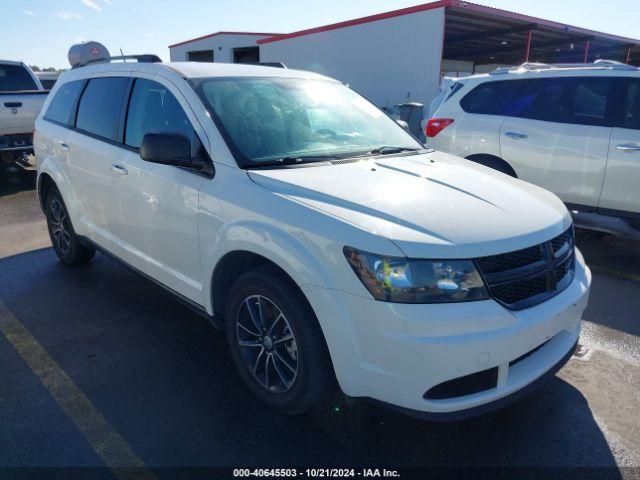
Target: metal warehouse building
[(402, 55), (225, 47)]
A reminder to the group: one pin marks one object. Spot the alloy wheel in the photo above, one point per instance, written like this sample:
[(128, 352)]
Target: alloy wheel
[(59, 226), (267, 344)]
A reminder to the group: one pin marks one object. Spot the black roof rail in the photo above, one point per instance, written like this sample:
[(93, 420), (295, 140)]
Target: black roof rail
[(597, 64), (144, 58)]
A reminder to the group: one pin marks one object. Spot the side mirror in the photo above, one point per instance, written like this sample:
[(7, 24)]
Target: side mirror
[(403, 124), (169, 149)]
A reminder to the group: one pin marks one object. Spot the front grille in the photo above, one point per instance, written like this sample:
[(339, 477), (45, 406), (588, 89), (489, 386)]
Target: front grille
[(530, 276), (508, 261)]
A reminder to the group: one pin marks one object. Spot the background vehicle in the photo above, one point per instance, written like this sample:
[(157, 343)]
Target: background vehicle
[(573, 129), (47, 79), (21, 99), (307, 224)]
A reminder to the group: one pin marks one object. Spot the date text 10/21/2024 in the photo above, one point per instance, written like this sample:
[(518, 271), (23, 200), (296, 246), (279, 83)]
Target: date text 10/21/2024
[(316, 473)]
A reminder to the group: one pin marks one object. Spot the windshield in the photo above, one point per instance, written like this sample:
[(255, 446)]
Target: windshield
[(267, 119)]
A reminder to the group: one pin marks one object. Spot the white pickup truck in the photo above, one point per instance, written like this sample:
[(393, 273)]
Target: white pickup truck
[(21, 99)]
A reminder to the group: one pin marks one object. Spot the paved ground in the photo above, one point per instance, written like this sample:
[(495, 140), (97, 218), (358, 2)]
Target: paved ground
[(99, 366)]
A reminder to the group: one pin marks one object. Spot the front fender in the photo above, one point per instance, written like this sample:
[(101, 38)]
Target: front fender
[(285, 249)]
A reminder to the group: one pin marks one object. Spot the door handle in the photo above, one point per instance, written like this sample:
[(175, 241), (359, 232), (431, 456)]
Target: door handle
[(628, 147), (516, 135), (119, 169), (63, 146)]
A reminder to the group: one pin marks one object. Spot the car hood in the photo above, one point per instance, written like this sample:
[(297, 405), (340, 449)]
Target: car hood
[(430, 205)]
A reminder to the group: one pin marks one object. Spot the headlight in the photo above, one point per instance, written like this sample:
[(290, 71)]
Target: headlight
[(400, 280)]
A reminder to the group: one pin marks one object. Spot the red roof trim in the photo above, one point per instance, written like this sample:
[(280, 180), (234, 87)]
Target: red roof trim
[(441, 4), (271, 35), (360, 21)]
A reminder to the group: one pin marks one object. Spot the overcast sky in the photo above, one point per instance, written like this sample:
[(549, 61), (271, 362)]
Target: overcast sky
[(40, 32)]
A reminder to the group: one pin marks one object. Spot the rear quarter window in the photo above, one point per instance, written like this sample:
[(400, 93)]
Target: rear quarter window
[(101, 105), (63, 103), (504, 97)]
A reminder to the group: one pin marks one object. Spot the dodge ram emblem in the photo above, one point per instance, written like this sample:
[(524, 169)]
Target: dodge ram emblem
[(14, 110)]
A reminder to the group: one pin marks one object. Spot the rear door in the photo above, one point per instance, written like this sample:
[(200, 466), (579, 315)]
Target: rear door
[(93, 154), (559, 138), (160, 203), (621, 190), (54, 131)]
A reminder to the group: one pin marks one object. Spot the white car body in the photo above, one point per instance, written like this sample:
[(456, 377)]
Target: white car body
[(176, 226), (594, 167)]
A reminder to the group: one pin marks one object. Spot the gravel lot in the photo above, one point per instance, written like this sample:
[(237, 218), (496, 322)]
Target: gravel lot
[(132, 362)]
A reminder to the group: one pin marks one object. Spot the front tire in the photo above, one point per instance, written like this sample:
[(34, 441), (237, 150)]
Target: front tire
[(66, 244), (276, 342)]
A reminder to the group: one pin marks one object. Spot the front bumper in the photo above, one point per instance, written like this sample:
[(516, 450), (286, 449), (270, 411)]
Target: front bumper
[(395, 353), (485, 407)]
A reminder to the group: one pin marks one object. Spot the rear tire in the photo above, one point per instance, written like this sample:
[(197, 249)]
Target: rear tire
[(276, 342), (66, 244)]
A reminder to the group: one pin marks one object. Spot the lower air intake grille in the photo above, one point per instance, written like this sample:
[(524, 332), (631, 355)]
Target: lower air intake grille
[(527, 277), (467, 385)]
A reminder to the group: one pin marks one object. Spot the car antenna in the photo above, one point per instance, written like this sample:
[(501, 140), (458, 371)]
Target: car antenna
[(124, 60)]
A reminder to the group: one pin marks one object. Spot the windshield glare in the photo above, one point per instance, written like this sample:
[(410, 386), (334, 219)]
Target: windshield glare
[(265, 119)]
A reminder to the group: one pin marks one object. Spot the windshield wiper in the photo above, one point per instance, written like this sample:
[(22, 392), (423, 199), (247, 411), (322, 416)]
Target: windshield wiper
[(386, 150), (288, 161)]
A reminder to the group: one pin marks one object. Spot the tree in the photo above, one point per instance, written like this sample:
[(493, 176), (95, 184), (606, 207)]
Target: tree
[(35, 68)]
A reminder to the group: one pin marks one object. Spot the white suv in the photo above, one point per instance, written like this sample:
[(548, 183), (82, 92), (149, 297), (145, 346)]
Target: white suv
[(572, 129), (321, 236)]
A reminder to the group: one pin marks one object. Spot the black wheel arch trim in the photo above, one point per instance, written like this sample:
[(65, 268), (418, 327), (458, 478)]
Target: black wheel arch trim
[(493, 161)]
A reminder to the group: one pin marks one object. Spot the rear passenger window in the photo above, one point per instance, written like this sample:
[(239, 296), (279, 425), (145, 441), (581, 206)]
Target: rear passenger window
[(580, 100), (14, 78), (154, 109), (63, 103), (100, 106), (631, 106), (505, 97)]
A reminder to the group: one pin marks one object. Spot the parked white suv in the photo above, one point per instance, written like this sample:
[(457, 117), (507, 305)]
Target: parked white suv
[(572, 129), (325, 240)]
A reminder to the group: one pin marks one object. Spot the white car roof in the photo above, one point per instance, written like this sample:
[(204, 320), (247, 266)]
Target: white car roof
[(534, 70), (193, 70), (200, 70)]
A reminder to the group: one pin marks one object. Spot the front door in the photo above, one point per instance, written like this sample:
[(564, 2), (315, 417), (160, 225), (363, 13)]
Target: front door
[(160, 217)]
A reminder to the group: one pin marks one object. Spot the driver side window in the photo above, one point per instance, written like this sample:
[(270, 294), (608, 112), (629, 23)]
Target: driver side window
[(154, 109)]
